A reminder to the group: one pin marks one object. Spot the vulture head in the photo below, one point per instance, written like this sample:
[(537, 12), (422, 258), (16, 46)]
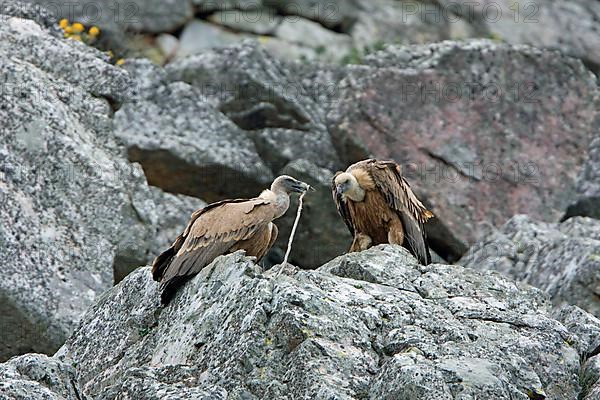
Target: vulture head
[(287, 184), (346, 186)]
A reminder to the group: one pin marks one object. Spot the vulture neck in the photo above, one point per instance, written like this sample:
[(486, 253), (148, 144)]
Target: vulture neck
[(279, 198)]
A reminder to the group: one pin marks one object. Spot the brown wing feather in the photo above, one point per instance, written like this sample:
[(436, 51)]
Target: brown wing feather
[(341, 206), (162, 261), (400, 197), (211, 232)]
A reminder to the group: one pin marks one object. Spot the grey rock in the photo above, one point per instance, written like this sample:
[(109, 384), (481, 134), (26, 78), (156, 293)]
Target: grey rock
[(339, 14), (460, 117), (206, 6), (561, 259), (153, 16), (68, 197), (583, 325), (26, 40), (62, 190), (36, 376), (184, 144), (157, 218), (164, 383), (373, 324), (587, 203), (590, 379), (285, 50), (257, 92), (199, 36), (405, 22), (25, 10), (168, 45), (570, 27), (329, 45), (260, 22)]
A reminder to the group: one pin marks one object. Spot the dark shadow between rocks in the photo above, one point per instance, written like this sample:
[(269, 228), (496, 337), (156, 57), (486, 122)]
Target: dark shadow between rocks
[(210, 182)]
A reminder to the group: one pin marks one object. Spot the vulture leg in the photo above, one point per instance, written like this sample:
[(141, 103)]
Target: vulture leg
[(395, 232), (361, 242), (274, 233)]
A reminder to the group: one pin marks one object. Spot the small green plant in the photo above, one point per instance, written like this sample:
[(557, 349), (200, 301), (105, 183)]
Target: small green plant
[(353, 57)]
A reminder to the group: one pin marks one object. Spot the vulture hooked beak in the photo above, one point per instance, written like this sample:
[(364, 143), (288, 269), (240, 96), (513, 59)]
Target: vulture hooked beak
[(301, 187)]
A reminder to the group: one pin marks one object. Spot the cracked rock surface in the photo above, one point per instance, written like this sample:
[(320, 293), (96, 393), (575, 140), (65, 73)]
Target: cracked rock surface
[(371, 325), (483, 130), (561, 258)]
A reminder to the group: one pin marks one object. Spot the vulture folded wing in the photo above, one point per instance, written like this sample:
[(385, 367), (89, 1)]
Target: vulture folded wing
[(415, 238), (212, 231), (400, 197), (342, 207)]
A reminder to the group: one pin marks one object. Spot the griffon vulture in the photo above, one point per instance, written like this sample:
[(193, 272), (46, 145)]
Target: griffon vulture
[(378, 206), (224, 227)]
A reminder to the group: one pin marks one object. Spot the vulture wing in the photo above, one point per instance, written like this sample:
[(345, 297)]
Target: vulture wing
[(211, 232), (341, 205), (398, 195)]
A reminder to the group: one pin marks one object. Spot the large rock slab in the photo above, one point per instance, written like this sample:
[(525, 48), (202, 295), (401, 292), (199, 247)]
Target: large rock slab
[(36, 376), (184, 144), (339, 14), (260, 95), (570, 27), (587, 203), (483, 130), (405, 22), (70, 205), (199, 36), (373, 324), (561, 259), (586, 335)]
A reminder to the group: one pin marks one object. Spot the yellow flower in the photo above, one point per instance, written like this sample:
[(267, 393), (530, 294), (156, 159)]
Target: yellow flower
[(77, 27), (63, 23), (120, 61), (94, 31), (76, 37), (68, 29)]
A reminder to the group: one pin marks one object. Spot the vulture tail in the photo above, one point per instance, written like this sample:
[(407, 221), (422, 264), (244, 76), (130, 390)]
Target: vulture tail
[(169, 288), (160, 262)]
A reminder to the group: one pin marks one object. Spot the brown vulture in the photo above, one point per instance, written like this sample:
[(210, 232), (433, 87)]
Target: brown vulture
[(378, 206), (224, 227)]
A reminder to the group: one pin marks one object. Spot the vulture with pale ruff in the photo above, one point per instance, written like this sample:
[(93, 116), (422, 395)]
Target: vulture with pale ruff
[(378, 206), (224, 227)]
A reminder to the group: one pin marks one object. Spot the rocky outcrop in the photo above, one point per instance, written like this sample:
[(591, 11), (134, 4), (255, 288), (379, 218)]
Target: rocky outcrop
[(570, 27), (586, 336), (72, 208), (561, 259), (261, 96), (172, 132), (587, 203), (36, 376), (483, 130), (373, 324)]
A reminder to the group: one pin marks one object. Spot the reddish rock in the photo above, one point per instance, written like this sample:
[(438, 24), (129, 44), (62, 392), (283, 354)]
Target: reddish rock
[(483, 130)]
